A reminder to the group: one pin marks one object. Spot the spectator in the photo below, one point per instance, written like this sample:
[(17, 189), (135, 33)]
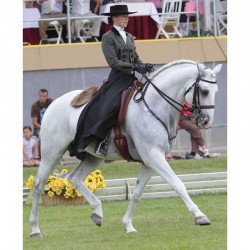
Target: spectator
[(29, 4), (82, 8), (95, 6), (30, 154), (198, 150), (38, 109), (157, 3), (49, 9)]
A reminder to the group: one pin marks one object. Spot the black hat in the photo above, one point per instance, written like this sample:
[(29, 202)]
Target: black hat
[(118, 9)]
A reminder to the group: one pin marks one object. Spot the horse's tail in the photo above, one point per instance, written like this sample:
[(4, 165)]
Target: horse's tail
[(83, 97)]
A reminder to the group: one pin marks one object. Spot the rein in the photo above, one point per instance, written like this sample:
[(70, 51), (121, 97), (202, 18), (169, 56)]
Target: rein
[(196, 107)]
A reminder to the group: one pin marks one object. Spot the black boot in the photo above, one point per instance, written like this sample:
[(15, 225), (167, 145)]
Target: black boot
[(102, 147), (71, 149), (74, 151)]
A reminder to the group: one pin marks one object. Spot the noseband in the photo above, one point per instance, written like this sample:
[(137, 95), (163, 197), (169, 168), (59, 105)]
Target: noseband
[(196, 107)]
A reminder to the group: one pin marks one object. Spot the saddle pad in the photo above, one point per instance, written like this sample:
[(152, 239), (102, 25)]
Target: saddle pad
[(83, 97)]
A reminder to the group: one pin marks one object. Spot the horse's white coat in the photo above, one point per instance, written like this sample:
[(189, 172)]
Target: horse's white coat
[(147, 138)]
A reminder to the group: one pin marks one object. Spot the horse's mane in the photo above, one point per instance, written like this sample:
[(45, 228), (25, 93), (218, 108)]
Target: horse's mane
[(169, 65)]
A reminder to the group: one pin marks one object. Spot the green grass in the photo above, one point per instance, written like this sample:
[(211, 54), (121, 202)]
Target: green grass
[(161, 224), (116, 170)]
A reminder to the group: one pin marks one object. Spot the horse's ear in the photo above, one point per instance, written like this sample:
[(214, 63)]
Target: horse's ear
[(200, 68), (217, 68)]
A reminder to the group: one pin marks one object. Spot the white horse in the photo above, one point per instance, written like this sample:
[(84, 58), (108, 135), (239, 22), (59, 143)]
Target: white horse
[(147, 137)]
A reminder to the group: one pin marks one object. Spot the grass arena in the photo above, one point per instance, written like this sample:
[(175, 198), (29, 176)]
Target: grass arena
[(161, 223)]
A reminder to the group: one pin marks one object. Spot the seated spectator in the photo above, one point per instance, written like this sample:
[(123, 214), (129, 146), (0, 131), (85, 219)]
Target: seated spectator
[(28, 4), (82, 8), (50, 9), (30, 156), (157, 3), (198, 150), (31, 4), (95, 6)]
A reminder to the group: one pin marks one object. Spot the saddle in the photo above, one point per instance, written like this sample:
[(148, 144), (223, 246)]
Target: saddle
[(120, 139)]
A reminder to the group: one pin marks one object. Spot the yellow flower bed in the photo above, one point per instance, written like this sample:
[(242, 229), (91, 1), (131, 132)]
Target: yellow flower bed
[(58, 184)]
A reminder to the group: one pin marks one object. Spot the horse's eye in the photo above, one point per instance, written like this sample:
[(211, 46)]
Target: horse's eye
[(204, 92)]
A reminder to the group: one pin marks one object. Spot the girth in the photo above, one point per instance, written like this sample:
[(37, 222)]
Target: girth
[(120, 139)]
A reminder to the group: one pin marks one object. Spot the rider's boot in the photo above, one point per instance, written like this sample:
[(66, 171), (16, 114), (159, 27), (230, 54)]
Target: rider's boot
[(102, 147)]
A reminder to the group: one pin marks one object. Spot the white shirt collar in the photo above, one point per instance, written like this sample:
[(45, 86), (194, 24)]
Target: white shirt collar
[(119, 29), (121, 32)]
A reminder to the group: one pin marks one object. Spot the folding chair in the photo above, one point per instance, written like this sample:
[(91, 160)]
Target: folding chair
[(55, 25), (170, 16), (221, 17), (86, 30)]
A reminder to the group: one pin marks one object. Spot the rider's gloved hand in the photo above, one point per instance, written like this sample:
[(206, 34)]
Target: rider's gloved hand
[(140, 68), (149, 67)]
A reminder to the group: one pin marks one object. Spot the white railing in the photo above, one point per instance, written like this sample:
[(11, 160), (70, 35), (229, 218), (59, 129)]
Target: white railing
[(122, 189), (25, 194), (69, 18)]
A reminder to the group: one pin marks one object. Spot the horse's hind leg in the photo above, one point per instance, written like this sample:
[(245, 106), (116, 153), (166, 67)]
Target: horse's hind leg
[(48, 161), (77, 177), (144, 176)]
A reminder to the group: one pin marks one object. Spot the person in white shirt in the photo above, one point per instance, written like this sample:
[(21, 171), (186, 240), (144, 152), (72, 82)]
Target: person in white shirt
[(30, 157), (49, 9), (81, 8)]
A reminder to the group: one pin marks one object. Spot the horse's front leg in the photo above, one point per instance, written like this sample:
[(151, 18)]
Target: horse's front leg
[(77, 177), (155, 159), (144, 176)]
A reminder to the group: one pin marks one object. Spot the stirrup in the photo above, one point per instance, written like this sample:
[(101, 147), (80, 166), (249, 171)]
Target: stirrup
[(102, 148)]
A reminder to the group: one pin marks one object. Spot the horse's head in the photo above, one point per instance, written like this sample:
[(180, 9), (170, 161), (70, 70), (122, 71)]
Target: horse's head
[(201, 95)]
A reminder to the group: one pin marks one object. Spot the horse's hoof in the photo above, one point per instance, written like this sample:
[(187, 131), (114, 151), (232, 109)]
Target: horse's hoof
[(97, 219), (129, 227), (35, 235), (202, 221), (131, 231)]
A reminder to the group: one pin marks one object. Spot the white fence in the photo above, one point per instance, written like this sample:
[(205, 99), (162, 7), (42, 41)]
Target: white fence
[(25, 194), (122, 189), (207, 19)]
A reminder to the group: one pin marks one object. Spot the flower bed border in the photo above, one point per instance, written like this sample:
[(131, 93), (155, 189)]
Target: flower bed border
[(61, 200)]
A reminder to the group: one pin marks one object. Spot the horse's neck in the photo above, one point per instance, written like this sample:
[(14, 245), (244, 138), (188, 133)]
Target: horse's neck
[(172, 85)]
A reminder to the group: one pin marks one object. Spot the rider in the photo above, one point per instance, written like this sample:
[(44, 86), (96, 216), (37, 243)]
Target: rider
[(100, 114)]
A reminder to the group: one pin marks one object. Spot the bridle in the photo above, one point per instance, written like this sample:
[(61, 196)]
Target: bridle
[(195, 109)]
